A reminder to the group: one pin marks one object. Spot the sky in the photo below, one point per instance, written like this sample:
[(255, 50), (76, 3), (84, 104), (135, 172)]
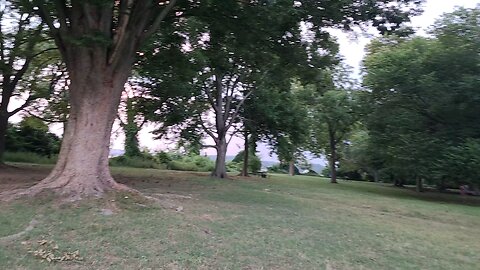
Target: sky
[(352, 47)]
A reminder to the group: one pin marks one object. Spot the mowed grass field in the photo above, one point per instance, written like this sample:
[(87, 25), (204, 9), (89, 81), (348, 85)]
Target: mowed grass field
[(243, 223)]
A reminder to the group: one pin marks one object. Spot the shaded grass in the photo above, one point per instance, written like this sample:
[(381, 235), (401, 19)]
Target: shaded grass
[(26, 157), (279, 223)]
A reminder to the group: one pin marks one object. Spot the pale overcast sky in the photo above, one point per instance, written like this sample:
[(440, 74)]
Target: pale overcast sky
[(353, 50)]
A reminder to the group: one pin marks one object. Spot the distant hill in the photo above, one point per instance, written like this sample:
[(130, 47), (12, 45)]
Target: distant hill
[(213, 157), (116, 152), (268, 163)]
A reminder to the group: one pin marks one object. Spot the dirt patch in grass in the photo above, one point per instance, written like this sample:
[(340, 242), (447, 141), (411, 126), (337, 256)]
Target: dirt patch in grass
[(12, 177)]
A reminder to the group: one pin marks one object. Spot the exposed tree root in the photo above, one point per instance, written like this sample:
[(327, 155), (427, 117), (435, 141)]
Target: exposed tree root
[(69, 189), (12, 237)]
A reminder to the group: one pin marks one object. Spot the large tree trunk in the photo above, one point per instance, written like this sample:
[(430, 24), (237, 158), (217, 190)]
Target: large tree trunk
[(245, 156), (82, 169), (220, 170)]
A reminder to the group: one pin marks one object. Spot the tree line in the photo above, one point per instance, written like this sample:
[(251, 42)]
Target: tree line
[(263, 70)]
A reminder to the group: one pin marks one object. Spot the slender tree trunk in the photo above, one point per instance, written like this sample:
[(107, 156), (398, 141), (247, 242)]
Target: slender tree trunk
[(376, 177), (3, 134), (419, 184), (291, 168), (82, 169), (441, 185), (333, 159), (6, 95), (220, 170), (245, 155)]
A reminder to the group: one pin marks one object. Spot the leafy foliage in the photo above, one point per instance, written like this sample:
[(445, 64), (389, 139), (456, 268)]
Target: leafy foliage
[(254, 162), (32, 135), (424, 100)]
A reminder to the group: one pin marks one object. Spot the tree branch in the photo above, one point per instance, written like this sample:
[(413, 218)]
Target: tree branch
[(237, 109), (210, 98), (158, 19), (46, 119), (208, 130), (47, 19), (17, 41), (124, 17), (209, 146), (125, 39), (23, 106), (62, 13), (232, 135)]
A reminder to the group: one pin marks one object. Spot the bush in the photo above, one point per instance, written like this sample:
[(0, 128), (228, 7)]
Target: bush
[(163, 157), (192, 163), (136, 162), (31, 136), (254, 163), (182, 166), (233, 167), (28, 157)]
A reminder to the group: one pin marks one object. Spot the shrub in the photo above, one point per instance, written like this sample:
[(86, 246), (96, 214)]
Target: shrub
[(31, 136), (136, 162), (233, 167), (254, 163), (192, 163), (163, 157), (182, 166)]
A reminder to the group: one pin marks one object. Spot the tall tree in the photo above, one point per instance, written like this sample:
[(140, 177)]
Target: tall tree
[(131, 118), (98, 41), (25, 62), (424, 95), (332, 112)]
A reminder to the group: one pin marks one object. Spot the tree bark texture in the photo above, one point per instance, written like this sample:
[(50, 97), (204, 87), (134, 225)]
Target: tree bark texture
[(291, 168), (220, 170), (3, 133), (82, 168)]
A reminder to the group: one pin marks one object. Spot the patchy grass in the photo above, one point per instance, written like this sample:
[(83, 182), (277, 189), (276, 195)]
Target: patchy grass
[(278, 223), (27, 157)]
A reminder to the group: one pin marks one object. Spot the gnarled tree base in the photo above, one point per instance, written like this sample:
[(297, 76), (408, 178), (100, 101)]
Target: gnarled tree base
[(70, 187)]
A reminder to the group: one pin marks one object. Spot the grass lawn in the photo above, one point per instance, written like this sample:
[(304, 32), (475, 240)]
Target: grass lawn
[(276, 223)]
